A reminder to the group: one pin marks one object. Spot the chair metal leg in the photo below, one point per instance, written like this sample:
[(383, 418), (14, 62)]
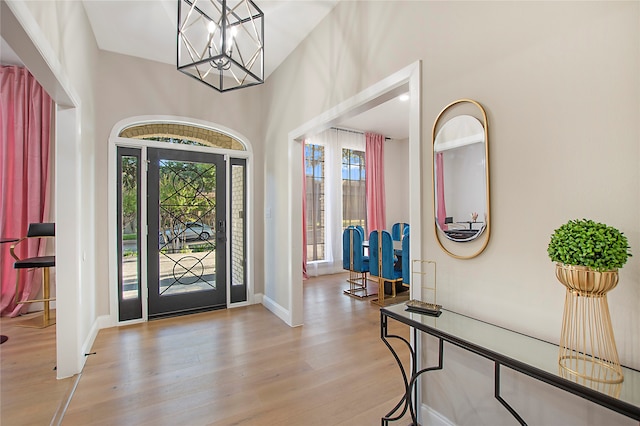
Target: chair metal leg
[(358, 285), (48, 317), (380, 300), (393, 299)]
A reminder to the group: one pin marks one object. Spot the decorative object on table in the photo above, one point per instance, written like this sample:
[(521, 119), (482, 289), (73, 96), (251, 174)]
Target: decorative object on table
[(424, 277), (460, 138), (423, 307), (221, 43), (474, 216), (588, 255)]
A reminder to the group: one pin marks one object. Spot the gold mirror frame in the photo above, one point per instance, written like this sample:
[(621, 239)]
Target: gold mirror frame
[(487, 231)]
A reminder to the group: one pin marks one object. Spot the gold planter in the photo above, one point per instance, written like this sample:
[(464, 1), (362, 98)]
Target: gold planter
[(586, 281), (587, 344)]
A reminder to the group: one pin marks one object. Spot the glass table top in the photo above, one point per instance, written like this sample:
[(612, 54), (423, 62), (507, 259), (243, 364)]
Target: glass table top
[(520, 351)]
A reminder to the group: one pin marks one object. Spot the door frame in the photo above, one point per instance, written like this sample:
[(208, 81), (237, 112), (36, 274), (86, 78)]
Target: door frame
[(114, 142), (405, 80)]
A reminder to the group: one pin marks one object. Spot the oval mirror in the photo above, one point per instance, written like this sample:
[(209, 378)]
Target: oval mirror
[(461, 177)]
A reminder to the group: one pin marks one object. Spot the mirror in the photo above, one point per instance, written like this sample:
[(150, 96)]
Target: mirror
[(461, 175)]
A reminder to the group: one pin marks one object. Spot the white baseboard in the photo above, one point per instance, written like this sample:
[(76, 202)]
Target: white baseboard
[(431, 417), (91, 337), (106, 321), (257, 298), (278, 310)]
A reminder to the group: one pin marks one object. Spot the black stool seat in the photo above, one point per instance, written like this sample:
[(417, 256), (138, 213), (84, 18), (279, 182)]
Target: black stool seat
[(35, 262)]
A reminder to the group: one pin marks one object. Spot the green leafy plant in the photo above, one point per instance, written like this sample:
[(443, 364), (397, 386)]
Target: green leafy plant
[(588, 243)]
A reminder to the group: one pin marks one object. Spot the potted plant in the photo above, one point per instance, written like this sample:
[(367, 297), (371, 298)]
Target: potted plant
[(588, 255)]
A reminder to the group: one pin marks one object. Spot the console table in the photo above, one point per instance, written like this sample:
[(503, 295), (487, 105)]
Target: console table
[(506, 348)]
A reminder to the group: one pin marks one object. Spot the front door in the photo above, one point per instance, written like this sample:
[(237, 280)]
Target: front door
[(186, 232)]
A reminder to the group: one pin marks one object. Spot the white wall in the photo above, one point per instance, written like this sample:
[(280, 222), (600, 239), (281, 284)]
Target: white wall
[(560, 83)]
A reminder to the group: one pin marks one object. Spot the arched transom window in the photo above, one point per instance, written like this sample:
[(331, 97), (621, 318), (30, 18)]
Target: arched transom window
[(182, 134)]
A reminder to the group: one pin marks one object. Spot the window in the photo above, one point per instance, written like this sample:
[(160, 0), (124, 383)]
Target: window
[(354, 191), (314, 175), (129, 238), (335, 175), (184, 134), (238, 230)]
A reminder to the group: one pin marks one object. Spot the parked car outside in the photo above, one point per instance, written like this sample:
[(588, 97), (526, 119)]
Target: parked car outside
[(190, 231)]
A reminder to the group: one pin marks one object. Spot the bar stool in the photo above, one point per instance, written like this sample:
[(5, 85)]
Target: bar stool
[(37, 230)]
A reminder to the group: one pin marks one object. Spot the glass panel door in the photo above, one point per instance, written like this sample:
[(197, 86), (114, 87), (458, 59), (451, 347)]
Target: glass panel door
[(186, 232), (238, 246), (128, 198)]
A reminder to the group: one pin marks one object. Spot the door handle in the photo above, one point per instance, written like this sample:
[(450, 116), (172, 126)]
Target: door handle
[(222, 234)]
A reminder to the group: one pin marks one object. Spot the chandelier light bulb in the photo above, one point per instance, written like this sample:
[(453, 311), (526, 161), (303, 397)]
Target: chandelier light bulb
[(231, 34)]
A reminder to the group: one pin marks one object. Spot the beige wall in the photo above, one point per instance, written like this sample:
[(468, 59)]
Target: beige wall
[(396, 176), (560, 83), (130, 87)]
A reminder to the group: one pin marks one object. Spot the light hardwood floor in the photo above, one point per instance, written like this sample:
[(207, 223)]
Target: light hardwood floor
[(30, 394), (240, 366)]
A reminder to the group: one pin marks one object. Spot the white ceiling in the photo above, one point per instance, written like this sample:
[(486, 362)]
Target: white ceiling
[(147, 29), (7, 55), (390, 119)]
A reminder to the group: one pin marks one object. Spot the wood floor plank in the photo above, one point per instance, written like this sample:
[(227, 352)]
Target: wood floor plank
[(241, 366), (30, 394)]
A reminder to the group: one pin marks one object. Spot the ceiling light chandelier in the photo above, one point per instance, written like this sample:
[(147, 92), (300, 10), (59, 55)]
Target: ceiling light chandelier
[(221, 42)]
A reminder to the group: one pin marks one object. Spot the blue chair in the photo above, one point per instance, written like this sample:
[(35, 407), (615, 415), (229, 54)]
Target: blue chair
[(398, 229), (406, 262), (381, 264), (354, 261)]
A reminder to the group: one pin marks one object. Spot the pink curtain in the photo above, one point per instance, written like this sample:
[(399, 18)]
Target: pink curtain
[(442, 209), (374, 161), (305, 275), (25, 121)]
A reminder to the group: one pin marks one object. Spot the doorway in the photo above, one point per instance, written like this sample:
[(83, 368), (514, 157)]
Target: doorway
[(182, 195), (187, 259), (406, 79)]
